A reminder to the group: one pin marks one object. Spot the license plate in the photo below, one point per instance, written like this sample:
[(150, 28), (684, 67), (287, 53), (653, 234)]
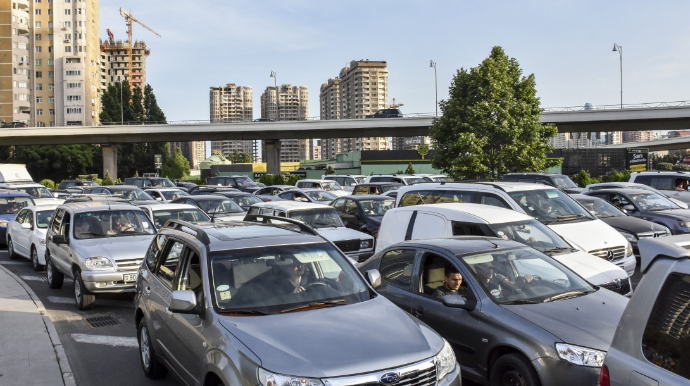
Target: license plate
[(130, 277)]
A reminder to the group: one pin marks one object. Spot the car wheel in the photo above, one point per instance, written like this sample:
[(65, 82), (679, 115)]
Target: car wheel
[(34, 259), (10, 249), (149, 362), (513, 370), (55, 278), (82, 296)]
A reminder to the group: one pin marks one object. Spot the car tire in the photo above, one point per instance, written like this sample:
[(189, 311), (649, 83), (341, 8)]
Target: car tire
[(10, 249), (55, 278), (513, 370), (34, 260), (152, 367), (82, 296)]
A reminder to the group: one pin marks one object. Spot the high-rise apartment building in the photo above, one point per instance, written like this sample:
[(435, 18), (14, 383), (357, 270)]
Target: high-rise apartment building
[(15, 63), (329, 102), (114, 63), (232, 103), (288, 103), (65, 62), (638, 136)]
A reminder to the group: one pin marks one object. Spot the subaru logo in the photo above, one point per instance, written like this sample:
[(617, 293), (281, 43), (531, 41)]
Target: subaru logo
[(390, 378), (609, 255)]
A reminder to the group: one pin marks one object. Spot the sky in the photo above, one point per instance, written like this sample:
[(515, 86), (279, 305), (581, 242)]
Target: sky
[(566, 44)]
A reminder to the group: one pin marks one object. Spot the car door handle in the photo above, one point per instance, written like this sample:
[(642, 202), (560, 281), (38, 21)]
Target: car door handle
[(167, 311), (418, 311), (148, 290)]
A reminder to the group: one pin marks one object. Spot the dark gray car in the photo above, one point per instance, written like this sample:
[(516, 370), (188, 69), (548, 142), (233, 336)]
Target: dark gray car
[(518, 318), (648, 206)]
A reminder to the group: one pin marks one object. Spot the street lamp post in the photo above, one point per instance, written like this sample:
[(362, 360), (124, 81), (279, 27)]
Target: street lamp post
[(433, 64), (122, 111), (619, 49), (275, 83)]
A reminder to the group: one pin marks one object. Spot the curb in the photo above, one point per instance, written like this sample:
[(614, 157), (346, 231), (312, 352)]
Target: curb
[(61, 355)]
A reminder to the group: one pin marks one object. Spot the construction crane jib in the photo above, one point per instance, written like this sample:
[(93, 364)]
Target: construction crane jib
[(128, 20)]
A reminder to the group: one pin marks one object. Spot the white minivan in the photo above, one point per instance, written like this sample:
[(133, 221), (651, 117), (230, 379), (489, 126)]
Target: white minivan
[(444, 220), (547, 204)]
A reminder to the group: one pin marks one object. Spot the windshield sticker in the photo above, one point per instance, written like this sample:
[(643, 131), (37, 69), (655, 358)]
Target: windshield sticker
[(496, 292), (502, 235), (225, 295), (312, 256), (552, 194), (223, 287)]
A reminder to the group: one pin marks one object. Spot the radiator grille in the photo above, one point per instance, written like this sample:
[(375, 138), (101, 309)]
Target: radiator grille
[(610, 254), (348, 245)]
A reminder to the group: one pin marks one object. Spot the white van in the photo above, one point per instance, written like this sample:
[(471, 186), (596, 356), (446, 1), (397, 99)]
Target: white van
[(545, 203), (347, 181), (444, 220)]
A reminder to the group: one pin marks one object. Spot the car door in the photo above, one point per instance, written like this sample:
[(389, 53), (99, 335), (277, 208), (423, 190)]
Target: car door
[(60, 254), (20, 236), (396, 268), (462, 328)]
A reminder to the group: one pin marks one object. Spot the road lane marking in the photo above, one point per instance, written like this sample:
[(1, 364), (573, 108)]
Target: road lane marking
[(34, 278), (57, 299), (14, 262), (115, 341)]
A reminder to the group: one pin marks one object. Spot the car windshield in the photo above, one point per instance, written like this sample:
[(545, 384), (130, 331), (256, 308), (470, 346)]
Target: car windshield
[(43, 218), (173, 194), (245, 181), (164, 182), (317, 217), (652, 201), (330, 185), (360, 180), (563, 182), (524, 275), (133, 194), (414, 180), (531, 233), (223, 205), (318, 195), (440, 179), (246, 201), (601, 208), (376, 207), (112, 223), (387, 188), (550, 206), (12, 205), (286, 278), (160, 217), (36, 192)]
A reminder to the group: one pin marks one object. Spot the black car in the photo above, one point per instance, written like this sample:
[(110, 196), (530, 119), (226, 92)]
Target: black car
[(242, 183), (364, 212), (632, 228), (186, 185), (209, 189), (151, 182), (14, 124), (215, 206), (560, 181), (129, 192), (376, 187), (243, 199), (649, 206), (387, 113), (71, 183)]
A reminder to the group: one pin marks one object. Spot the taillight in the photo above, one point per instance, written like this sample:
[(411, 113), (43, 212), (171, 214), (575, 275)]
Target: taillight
[(604, 379)]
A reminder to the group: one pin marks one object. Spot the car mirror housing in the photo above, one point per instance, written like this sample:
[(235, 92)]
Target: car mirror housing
[(183, 302), (456, 301), (374, 277), (26, 226), (629, 208), (59, 239)]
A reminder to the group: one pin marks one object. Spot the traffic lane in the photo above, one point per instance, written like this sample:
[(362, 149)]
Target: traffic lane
[(101, 342)]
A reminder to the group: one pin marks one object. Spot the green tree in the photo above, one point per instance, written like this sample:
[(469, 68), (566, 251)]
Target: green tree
[(279, 179), (177, 166), (491, 123), (47, 183), (152, 111), (107, 180), (423, 150), (330, 170), (55, 162), (410, 169), (293, 180), (583, 179), (245, 158), (266, 179)]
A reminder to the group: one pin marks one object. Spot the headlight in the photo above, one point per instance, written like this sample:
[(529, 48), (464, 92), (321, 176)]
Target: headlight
[(3, 223), (580, 355), (98, 262), (684, 224), (268, 378), (42, 241), (629, 236), (445, 361), (629, 249), (366, 244)]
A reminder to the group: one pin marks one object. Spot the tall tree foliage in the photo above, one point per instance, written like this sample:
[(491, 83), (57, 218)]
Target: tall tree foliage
[(491, 122), (56, 162)]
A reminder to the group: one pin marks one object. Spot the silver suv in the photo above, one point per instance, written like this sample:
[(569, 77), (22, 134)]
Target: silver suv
[(99, 244), (246, 303)]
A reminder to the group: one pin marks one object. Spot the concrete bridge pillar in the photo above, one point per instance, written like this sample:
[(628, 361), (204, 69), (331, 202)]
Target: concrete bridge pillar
[(110, 160), (272, 156)]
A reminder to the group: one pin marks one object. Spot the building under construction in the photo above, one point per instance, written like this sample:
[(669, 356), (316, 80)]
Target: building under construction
[(115, 63)]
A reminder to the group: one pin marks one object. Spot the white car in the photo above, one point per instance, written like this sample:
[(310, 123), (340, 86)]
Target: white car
[(324, 219), (166, 194), (26, 234), (445, 220), (405, 179), (160, 214), (347, 181), (330, 186), (547, 204)]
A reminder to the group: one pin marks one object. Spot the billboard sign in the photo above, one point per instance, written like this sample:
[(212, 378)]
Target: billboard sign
[(638, 160), (158, 161)]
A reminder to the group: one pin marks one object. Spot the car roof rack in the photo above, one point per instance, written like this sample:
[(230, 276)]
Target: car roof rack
[(304, 227), (85, 198), (179, 225)]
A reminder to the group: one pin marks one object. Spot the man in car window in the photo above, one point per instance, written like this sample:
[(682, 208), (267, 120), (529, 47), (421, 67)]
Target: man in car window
[(120, 224), (452, 284), (494, 281)]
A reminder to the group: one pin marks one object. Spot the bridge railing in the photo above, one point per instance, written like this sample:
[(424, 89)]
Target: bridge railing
[(618, 106)]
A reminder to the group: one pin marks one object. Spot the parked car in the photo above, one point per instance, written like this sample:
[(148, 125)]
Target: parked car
[(267, 193), (517, 317), (70, 183), (387, 113), (243, 199), (11, 202), (666, 181), (252, 304), (217, 207), (346, 181), (560, 181), (99, 245), (186, 185), (405, 179), (363, 212), (242, 183), (445, 220), (549, 205), (35, 190), (648, 206), (165, 194), (128, 192), (160, 214), (210, 189), (631, 185), (316, 196), (435, 177), (376, 188), (151, 182), (324, 219), (26, 234), (14, 124), (650, 346), (632, 228), (327, 185)]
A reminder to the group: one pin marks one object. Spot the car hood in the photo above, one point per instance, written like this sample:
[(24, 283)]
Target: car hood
[(587, 321), (678, 214), (8, 217), (341, 233), (590, 235), (336, 341), (573, 190), (631, 224), (339, 193), (239, 216), (593, 269), (114, 248)]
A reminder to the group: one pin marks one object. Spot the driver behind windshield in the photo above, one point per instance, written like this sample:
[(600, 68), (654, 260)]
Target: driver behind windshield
[(493, 281), (287, 276)]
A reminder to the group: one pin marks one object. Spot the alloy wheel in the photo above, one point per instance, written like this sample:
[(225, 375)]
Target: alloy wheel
[(144, 347)]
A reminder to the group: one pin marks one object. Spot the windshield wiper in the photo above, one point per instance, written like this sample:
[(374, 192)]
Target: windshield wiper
[(571, 294), (326, 303), (243, 312), (557, 249), (522, 301), (90, 234), (570, 217)]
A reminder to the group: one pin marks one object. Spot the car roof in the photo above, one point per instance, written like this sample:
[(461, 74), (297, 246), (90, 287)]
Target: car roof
[(534, 174), (228, 193), (674, 247), (119, 187), (665, 172), (88, 206), (205, 197), (289, 205), (304, 190), (621, 190), (460, 211), (168, 206), (621, 183), (585, 197), (362, 197), (380, 184), (43, 207), (460, 245), (310, 180), (13, 193)]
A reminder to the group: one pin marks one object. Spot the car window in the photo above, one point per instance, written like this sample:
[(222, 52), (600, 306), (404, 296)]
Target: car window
[(339, 205), (160, 217), (376, 207), (362, 190), (602, 209), (154, 251), (246, 201), (13, 204), (351, 208), (43, 218), (65, 226), (652, 201), (396, 267), (432, 281), (666, 337), (321, 196), (428, 225), (470, 229), (172, 195), (21, 215), (190, 274), (415, 198), (491, 199), (57, 220), (220, 206), (318, 217), (453, 196), (29, 218), (662, 183), (286, 195), (550, 205), (112, 223), (168, 263)]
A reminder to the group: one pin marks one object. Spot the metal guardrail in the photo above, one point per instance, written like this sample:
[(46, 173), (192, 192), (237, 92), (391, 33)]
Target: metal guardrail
[(645, 105)]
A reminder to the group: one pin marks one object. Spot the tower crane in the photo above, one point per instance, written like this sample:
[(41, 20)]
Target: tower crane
[(395, 105), (129, 19)]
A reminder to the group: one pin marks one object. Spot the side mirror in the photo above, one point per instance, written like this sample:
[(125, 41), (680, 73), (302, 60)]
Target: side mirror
[(183, 302), (159, 199), (456, 301), (59, 239), (26, 225), (629, 208), (374, 277)]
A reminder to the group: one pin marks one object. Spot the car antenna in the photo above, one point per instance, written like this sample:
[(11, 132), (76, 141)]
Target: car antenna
[(213, 215), (495, 245)]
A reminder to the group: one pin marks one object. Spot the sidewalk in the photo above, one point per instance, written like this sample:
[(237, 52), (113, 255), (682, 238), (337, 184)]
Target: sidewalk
[(31, 352)]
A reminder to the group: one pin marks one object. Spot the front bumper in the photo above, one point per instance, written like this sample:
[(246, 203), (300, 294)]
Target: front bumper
[(3, 236), (627, 263), (108, 281), (561, 373)]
